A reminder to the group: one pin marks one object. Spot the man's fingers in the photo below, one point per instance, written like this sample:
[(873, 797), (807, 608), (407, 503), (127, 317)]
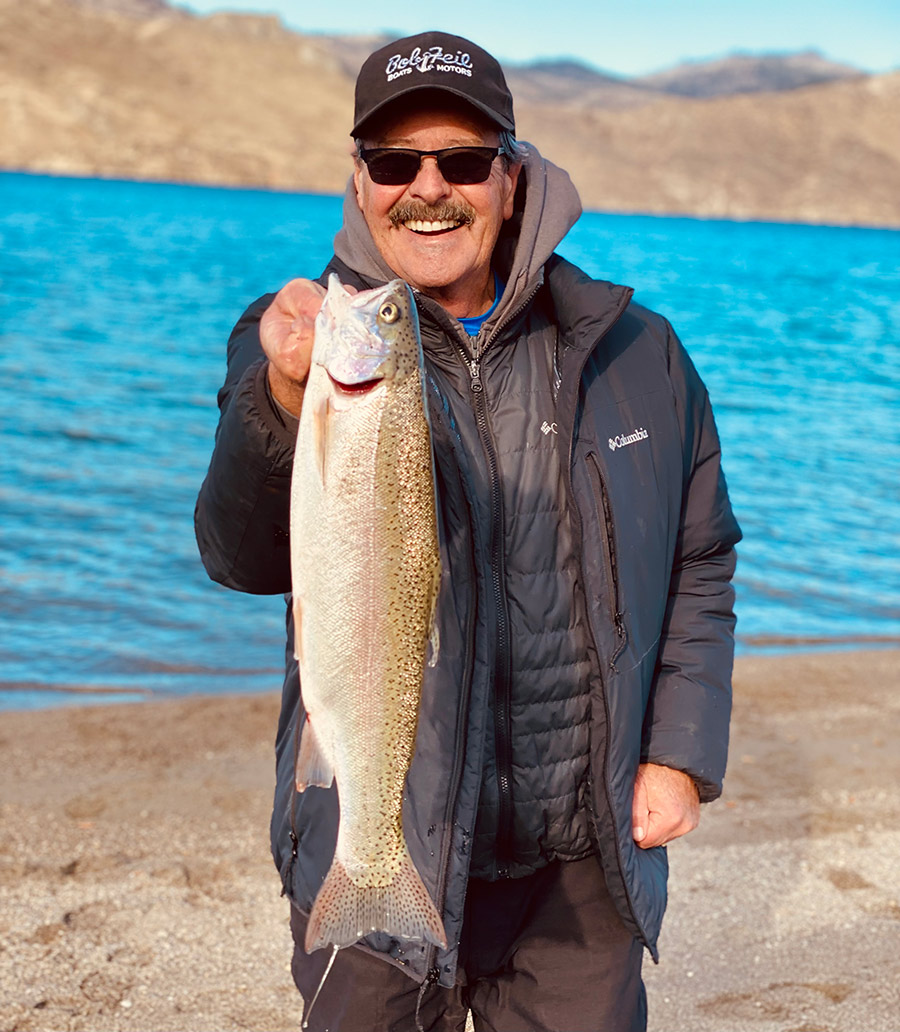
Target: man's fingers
[(287, 329), (300, 297), (666, 805), (303, 324), (661, 831)]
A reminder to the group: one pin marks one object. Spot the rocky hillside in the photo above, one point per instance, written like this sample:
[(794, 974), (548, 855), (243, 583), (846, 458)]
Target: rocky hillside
[(138, 89), (224, 99), (825, 154)]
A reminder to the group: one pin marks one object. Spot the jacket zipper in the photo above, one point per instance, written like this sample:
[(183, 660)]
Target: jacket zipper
[(502, 658), (288, 883), (609, 555), (502, 654)]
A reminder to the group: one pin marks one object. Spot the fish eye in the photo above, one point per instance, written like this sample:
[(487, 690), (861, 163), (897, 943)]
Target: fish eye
[(389, 312)]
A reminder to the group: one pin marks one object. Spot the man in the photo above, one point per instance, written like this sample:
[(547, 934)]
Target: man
[(578, 713)]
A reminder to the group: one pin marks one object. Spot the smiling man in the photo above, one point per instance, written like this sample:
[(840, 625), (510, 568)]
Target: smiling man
[(578, 712), (438, 235)]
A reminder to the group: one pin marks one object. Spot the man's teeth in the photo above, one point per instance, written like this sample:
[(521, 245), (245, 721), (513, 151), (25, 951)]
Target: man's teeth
[(419, 226)]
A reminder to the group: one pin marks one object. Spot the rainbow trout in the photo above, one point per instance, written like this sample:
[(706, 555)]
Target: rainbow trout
[(365, 568)]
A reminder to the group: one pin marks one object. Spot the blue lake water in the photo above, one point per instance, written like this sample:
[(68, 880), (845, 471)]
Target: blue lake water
[(115, 303)]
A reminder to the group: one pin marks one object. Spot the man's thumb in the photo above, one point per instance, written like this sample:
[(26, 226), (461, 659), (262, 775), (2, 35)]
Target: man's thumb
[(639, 810)]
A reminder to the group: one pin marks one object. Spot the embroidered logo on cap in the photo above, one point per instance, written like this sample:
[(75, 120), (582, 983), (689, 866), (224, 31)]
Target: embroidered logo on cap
[(434, 59)]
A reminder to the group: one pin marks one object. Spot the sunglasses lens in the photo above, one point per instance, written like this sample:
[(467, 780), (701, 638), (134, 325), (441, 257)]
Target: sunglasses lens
[(458, 165), (392, 167), (466, 166)]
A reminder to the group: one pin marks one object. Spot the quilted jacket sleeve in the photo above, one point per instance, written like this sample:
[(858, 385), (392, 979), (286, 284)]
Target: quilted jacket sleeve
[(687, 721), (242, 513)]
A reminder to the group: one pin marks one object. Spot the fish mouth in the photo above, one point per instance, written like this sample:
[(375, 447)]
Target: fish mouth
[(361, 387)]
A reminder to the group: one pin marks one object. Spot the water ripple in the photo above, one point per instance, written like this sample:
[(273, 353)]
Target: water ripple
[(116, 300)]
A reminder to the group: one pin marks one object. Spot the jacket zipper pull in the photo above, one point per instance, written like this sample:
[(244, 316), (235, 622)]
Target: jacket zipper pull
[(620, 625), (475, 373), (432, 977)]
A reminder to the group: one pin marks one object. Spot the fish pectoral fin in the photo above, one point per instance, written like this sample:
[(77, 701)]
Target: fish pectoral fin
[(344, 912), (320, 435), (313, 766)]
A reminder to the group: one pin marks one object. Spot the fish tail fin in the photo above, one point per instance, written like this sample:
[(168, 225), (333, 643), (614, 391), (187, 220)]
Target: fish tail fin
[(343, 912)]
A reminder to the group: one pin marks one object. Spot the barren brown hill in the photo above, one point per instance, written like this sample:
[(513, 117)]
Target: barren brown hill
[(828, 153), (224, 99), (136, 89)]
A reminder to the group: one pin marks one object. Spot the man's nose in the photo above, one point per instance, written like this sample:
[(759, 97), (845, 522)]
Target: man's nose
[(429, 184)]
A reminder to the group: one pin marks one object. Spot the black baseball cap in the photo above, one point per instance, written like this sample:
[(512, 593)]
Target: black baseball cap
[(433, 61)]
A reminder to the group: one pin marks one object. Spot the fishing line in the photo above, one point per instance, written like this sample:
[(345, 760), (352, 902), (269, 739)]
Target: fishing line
[(431, 978), (312, 1003)]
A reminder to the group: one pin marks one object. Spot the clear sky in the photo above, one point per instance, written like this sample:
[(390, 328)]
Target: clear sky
[(629, 37)]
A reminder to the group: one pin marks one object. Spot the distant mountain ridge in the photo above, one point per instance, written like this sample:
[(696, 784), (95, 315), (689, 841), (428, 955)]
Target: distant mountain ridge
[(573, 80), (748, 73), (131, 8), (139, 89)]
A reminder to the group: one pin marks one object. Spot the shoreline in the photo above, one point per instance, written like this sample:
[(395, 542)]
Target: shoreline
[(138, 892), (65, 696), (250, 187)]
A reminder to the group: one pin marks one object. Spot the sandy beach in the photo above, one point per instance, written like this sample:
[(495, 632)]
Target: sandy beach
[(137, 892)]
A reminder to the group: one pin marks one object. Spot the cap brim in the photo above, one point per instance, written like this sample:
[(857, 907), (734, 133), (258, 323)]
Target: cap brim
[(497, 119)]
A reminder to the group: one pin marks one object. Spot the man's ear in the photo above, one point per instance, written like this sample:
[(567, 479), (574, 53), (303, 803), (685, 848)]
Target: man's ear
[(512, 180)]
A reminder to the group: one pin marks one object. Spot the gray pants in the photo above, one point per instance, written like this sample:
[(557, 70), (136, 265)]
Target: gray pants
[(546, 953)]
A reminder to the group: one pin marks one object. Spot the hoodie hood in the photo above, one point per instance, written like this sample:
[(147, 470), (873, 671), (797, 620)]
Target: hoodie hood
[(547, 205)]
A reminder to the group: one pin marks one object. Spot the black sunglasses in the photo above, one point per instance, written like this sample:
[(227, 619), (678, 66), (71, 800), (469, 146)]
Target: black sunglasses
[(396, 166)]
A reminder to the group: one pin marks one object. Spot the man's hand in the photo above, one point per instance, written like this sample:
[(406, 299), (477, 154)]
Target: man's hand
[(666, 805), (286, 334)]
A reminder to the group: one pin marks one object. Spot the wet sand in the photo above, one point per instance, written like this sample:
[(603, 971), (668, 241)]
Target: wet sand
[(137, 892)]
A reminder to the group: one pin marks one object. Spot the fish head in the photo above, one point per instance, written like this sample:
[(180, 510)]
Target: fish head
[(365, 338)]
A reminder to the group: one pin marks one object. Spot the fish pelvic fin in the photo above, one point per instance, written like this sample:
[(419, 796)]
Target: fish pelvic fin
[(297, 608), (434, 637), (343, 912), (313, 766)]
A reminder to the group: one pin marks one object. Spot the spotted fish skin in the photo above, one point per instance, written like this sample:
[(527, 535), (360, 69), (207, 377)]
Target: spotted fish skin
[(365, 568)]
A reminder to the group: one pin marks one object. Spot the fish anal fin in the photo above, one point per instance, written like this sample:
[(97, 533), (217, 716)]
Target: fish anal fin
[(344, 912), (313, 766)]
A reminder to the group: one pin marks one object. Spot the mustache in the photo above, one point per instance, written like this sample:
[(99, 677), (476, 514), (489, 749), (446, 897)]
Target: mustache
[(449, 211)]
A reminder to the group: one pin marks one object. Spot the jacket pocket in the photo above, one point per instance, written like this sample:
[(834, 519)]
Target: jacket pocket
[(608, 533)]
